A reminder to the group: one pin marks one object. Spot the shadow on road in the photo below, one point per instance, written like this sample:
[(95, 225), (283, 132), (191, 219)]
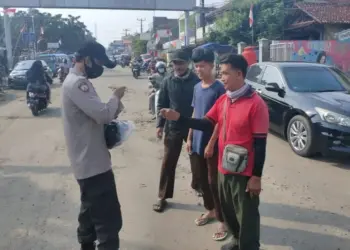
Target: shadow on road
[(305, 215), (52, 112), (336, 159), (304, 239), (187, 207), (301, 239)]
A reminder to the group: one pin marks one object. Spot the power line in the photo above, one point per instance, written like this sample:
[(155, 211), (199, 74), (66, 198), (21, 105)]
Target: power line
[(141, 20)]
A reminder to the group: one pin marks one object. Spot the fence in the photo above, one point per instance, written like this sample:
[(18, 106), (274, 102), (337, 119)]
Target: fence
[(281, 51)]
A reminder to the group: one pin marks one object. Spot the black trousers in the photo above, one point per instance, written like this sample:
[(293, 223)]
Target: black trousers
[(100, 216)]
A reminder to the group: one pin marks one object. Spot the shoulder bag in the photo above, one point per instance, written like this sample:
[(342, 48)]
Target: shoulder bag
[(235, 157)]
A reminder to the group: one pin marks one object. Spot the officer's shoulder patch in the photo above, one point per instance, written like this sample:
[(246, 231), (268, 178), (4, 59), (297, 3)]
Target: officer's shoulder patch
[(83, 86)]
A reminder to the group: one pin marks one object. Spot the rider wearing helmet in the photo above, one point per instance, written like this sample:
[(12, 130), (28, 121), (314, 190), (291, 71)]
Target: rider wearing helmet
[(156, 81), (65, 66)]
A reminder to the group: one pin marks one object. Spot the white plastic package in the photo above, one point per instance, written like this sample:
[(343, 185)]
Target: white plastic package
[(125, 129)]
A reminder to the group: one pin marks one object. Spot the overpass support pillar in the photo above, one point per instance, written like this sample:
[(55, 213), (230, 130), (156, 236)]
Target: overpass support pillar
[(8, 42), (187, 30)]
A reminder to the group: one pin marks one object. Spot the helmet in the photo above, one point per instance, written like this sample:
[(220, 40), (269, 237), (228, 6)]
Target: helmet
[(161, 67)]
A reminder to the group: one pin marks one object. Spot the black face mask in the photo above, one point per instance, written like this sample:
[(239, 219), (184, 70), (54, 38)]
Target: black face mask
[(94, 71)]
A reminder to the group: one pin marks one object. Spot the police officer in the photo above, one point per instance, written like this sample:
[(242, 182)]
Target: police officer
[(84, 116)]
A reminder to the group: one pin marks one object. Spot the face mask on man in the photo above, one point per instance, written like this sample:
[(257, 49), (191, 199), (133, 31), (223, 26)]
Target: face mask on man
[(93, 70), (161, 70)]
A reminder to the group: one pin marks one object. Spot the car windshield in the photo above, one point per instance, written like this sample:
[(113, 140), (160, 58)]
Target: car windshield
[(314, 79), (48, 59), (24, 65)]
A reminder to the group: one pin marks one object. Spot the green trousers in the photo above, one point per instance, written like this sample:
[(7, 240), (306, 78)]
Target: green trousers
[(240, 211)]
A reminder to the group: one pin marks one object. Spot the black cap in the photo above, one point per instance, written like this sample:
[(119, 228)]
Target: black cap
[(180, 55), (96, 51)]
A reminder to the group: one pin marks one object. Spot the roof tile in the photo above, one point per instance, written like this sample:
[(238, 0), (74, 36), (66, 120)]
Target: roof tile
[(327, 12)]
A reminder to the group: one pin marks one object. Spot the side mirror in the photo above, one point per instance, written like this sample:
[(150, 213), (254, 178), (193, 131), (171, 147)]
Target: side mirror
[(273, 87)]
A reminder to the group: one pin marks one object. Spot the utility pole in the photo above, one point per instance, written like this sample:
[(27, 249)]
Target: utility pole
[(126, 32), (203, 17), (141, 20)]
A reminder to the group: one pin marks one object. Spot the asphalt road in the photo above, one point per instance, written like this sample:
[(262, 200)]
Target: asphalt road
[(305, 204)]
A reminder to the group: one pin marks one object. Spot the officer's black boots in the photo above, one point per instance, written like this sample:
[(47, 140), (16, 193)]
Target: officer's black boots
[(90, 246)]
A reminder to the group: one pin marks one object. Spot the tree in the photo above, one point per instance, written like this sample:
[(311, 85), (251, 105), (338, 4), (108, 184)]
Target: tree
[(71, 31), (138, 46), (233, 27)]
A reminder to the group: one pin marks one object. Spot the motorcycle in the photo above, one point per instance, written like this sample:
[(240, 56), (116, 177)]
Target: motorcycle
[(144, 67), (37, 97), (136, 70), (62, 74)]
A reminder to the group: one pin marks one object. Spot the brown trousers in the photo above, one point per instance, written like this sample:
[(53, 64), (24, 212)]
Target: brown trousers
[(205, 171), (173, 141)]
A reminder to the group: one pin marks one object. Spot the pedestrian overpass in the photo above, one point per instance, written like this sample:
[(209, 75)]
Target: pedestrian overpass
[(166, 5)]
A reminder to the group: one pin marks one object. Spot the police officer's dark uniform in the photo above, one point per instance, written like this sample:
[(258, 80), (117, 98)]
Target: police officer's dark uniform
[(84, 116)]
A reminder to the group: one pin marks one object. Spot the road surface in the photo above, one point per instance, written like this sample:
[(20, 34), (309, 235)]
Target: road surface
[(305, 203)]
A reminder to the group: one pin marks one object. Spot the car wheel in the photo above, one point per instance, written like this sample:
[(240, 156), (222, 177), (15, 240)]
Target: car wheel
[(300, 136)]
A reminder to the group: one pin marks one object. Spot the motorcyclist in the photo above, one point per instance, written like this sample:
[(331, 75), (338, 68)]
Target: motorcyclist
[(135, 64), (139, 59), (65, 66), (37, 74), (156, 81)]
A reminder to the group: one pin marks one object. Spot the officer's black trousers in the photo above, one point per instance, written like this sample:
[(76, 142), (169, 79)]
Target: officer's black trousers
[(100, 216)]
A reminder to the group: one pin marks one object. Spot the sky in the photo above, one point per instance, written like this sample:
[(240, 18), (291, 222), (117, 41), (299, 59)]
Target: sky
[(108, 25)]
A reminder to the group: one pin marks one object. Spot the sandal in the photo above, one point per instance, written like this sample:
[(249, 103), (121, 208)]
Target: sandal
[(202, 221), (160, 206), (220, 235)]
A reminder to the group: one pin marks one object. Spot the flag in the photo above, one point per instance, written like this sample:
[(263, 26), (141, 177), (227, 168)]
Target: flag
[(9, 12), (251, 16), (157, 38), (41, 30)]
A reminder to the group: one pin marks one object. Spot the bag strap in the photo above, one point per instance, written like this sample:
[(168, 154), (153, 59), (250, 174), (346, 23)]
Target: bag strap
[(224, 119)]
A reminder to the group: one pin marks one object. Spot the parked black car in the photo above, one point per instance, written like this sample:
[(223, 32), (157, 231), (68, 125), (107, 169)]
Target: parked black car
[(17, 78), (309, 104)]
